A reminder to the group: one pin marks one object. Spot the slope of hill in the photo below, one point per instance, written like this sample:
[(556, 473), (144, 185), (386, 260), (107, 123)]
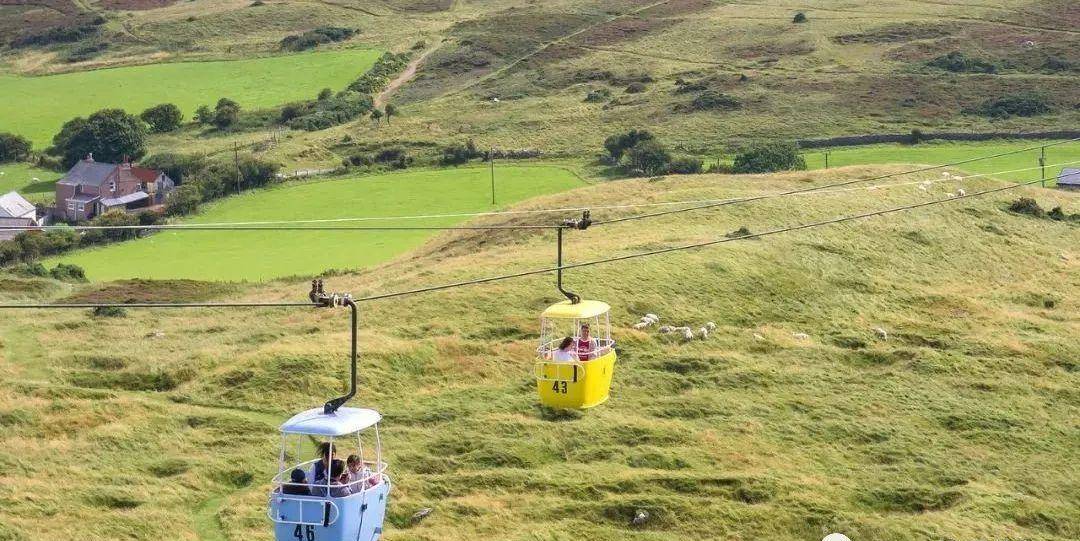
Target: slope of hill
[(961, 425), (703, 75)]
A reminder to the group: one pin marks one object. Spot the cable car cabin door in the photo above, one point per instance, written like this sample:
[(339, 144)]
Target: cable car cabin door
[(578, 384)]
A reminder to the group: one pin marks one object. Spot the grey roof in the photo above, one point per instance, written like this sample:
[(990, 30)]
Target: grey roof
[(1070, 176), (124, 199), (88, 173), (12, 205)]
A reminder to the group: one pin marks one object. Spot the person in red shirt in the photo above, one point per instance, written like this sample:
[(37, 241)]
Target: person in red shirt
[(586, 346)]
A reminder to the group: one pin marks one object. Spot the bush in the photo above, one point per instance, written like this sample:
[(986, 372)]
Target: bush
[(325, 113), (184, 200), (712, 100), (226, 113), (179, 167), (109, 311), (162, 118), (1027, 205), (316, 37), (84, 52), (769, 157), (635, 87), (1056, 63), (390, 155), (14, 148), (31, 270), (599, 95), (56, 34), (1024, 105), (685, 165), (617, 145), (359, 160), (650, 157), (375, 79), (916, 136), (68, 273), (958, 62), (799, 18), (204, 115), (324, 94), (1058, 214), (110, 134), (459, 154)]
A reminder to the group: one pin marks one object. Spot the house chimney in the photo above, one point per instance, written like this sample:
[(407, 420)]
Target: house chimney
[(127, 162), (90, 157)]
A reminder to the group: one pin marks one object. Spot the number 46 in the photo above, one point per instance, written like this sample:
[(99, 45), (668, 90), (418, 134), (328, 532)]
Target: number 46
[(299, 533)]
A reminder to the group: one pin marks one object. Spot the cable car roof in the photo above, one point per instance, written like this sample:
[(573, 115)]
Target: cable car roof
[(581, 310), (343, 421)]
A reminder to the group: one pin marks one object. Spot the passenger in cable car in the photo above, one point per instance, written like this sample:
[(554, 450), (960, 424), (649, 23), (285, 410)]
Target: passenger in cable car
[(318, 470), (564, 354), (586, 346), (298, 485), (339, 480)]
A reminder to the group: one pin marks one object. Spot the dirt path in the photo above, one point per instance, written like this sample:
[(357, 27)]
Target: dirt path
[(404, 77)]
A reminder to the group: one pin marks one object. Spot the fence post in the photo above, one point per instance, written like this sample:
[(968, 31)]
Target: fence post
[(1042, 164), (826, 159), (491, 154)]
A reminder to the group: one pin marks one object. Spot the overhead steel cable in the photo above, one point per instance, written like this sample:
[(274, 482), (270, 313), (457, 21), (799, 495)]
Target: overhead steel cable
[(477, 281), (168, 305)]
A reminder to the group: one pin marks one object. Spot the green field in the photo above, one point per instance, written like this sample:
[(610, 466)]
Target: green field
[(37, 106), (217, 255), (935, 153), (20, 177)]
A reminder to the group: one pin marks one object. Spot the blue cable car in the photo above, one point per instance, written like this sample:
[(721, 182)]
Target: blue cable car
[(318, 499), (328, 510)]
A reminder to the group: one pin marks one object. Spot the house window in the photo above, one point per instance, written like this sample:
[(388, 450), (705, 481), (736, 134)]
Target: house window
[(71, 205), (81, 207), (112, 185)]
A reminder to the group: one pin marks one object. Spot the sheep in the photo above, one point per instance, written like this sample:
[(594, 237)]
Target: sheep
[(35, 179), (704, 332), (800, 335), (688, 334), (641, 325), (758, 337), (881, 333), (421, 515), (666, 329), (946, 175), (653, 317), (711, 326), (641, 516), (960, 192)]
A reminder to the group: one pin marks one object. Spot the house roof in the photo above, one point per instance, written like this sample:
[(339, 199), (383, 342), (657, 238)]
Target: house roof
[(344, 421), (88, 172), (13, 205), (144, 174), (9, 234), (124, 199), (1070, 176)]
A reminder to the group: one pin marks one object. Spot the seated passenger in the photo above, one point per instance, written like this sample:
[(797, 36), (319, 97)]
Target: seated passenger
[(356, 475), (298, 484), (318, 470), (563, 354), (339, 480), (586, 346)]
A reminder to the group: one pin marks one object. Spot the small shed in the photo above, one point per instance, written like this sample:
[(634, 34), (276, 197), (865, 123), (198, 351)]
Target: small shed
[(15, 211), (1069, 179)]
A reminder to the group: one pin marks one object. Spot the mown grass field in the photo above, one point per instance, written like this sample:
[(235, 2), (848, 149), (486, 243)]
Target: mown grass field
[(961, 425), (935, 153), (36, 107), (247, 255), (20, 177)]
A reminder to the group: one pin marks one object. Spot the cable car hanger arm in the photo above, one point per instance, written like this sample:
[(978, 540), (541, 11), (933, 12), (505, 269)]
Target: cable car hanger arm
[(321, 299), (581, 224)]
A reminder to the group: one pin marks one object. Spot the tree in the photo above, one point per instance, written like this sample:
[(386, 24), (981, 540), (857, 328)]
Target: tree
[(163, 118), (111, 135), (226, 113), (14, 148), (325, 93), (390, 111), (184, 200), (617, 145), (204, 115), (800, 17), (650, 157), (769, 157), (376, 115)]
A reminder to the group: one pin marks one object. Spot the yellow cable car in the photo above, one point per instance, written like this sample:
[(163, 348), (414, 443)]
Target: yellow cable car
[(576, 357)]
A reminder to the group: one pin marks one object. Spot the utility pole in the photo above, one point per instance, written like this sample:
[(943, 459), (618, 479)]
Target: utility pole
[(236, 161), (826, 159), (1042, 164), (491, 155)]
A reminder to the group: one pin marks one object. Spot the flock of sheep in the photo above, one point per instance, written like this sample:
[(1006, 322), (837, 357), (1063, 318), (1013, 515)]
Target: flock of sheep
[(687, 333)]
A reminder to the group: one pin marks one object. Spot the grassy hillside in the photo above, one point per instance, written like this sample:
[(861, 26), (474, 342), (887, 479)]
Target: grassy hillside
[(855, 67), (20, 177), (36, 107), (254, 255), (961, 425)]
